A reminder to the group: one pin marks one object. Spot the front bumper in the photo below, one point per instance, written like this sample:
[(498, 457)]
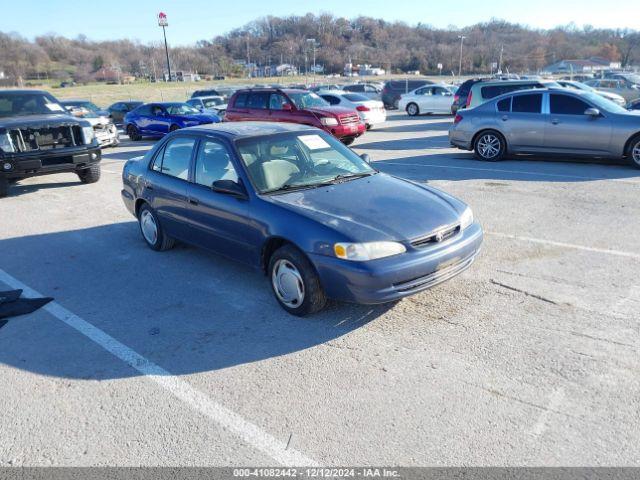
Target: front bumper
[(392, 278), (43, 162)]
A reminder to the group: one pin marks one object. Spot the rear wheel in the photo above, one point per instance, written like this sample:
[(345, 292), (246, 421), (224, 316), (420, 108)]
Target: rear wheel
[(295, 283), (134, 133), (348, 140), (90, 175), (151, 230), (413, 110), (490, 146), (634, 152)]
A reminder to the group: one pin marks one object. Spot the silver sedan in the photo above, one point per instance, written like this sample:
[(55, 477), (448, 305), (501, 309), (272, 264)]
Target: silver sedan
[(549, 121)]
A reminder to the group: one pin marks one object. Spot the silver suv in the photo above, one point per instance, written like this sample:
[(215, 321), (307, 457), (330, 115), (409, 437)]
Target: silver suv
[(548, 121)]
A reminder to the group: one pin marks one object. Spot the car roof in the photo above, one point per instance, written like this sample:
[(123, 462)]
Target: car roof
[(249, 129)]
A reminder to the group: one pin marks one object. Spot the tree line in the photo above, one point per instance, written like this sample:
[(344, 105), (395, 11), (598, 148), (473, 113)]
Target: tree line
[(395, 46)]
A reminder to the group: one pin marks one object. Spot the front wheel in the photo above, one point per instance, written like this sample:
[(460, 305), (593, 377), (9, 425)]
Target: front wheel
[(490, 146), (413, 110), (295, 283), (152, 231), (90, 175), (634, 152)]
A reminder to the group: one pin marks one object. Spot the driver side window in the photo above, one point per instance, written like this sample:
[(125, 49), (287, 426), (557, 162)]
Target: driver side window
[(213, 163)]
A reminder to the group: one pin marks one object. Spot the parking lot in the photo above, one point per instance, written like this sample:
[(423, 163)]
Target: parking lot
[(183, 358)]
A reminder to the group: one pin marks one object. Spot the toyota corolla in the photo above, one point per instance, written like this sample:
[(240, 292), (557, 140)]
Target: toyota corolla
[(292, 200)]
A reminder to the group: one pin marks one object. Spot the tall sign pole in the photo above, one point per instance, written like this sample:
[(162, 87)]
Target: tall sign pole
[(164, 23)]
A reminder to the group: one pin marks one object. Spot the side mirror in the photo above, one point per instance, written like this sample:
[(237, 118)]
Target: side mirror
[(229, 187), (592, 112), (366, 157), (287, 107)]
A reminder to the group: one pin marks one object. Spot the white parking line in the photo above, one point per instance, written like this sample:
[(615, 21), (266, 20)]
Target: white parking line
[(497, 170), (250, 433), (619, 253)]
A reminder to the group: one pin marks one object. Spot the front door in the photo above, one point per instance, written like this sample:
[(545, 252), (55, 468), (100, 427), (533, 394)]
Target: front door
[(220, 222), (569, 129)]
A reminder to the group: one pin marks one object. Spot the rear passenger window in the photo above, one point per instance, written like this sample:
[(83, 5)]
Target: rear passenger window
[(527, 103), (241, 100), (567, 105), (176, 158), (504, 105), (258, 100)]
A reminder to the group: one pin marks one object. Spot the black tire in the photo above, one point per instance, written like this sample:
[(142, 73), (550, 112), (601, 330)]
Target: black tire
[(4, 187), (348, 140), (134, 133), (314, 298), (633, 153), (90, 175), (173, 128), (413, 110), (489, 146), (162, 241)]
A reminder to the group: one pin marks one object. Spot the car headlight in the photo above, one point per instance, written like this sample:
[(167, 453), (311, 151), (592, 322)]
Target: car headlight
[(88, 134), (329, 121), (360, 252), (466, 219), (6, 144)]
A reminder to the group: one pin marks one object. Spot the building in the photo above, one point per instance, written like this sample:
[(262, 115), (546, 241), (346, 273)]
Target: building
[(591, 65)]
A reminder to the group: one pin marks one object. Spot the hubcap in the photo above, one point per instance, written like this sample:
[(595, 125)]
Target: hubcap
[(489, 146), (149, 227), (287, 283), (636, 153)]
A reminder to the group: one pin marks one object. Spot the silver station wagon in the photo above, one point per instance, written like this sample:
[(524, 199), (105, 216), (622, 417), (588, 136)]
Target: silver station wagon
[(549, 121)]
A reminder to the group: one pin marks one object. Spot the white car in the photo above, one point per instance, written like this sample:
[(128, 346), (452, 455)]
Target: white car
[(372, 112), (436, 98), (212, 104)]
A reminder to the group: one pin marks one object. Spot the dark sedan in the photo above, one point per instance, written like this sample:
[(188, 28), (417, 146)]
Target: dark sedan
[(293, 201), (158, 119)]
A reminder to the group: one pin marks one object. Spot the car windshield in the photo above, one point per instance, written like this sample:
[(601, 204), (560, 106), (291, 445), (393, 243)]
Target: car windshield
[(299, 160), (211, 102), (604, 103), (181, 109), (304, 100), (20, 104)]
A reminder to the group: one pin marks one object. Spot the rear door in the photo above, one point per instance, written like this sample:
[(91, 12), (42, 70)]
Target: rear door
[(220, 222), (524, 125), (568, 129), (167, 183)]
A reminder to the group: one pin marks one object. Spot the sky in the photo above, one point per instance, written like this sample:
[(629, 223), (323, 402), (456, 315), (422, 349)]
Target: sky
[(193, 20)]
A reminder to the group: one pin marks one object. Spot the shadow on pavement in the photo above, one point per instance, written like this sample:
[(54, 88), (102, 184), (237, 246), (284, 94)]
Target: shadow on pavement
[(187, 310)]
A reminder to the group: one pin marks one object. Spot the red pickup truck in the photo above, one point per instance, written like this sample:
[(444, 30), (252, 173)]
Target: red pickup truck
[(294, 106)]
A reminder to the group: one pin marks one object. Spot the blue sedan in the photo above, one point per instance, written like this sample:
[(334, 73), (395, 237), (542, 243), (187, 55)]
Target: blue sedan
[(158, 119), (293, 201)]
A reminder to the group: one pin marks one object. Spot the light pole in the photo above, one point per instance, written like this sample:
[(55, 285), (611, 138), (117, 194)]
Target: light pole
[(163, 22), (461, 37), (313, 40)]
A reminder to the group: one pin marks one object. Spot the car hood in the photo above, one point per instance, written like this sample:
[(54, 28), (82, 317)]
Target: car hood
[(379, 207), (39, 120), (332, 110)]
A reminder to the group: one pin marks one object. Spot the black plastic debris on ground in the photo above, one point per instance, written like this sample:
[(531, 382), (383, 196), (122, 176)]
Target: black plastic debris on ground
[(12, 305)]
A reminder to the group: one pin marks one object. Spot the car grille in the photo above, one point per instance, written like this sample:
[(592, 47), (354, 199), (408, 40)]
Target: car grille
[(436, 237), (47, 138), (349, 119)]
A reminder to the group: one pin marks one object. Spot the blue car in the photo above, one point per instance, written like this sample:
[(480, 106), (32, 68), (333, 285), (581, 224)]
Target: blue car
[(158, 119), (296, 203)]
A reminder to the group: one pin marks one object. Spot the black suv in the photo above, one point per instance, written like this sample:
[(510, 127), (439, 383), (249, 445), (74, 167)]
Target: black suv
[(38, 137), (394, 88)]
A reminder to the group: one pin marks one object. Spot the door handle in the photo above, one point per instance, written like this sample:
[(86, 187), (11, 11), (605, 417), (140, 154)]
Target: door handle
[(555, 121), (193, 201), (505, 118)]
